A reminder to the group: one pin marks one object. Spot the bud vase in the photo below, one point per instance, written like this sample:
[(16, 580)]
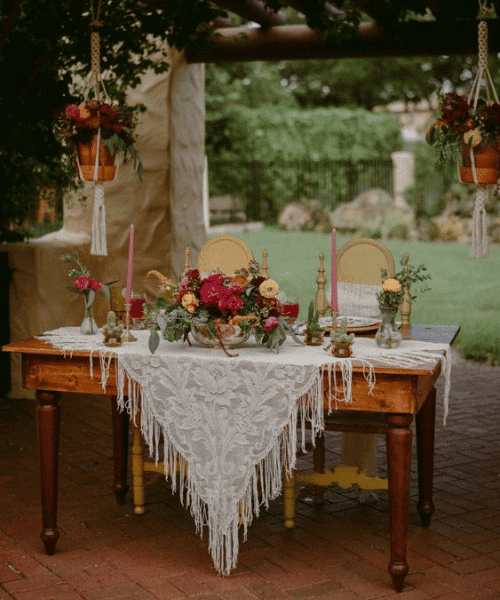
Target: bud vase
[(88, 326), (388, 334)]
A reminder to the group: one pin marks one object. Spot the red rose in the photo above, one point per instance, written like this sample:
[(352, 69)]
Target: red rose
[(82, 282), (271, 323), (96, 285)]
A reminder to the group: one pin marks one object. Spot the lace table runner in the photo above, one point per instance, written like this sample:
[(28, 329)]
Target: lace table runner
[(233, 420)]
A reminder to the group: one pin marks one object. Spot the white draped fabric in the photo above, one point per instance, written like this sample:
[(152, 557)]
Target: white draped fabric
[(229, 424)]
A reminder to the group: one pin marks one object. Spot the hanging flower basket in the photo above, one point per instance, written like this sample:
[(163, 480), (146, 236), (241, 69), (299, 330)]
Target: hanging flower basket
[(89, 166), (482, 166), (102, 124)]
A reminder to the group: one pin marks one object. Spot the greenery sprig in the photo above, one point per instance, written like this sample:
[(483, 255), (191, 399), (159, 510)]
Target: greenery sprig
[(393, 288)]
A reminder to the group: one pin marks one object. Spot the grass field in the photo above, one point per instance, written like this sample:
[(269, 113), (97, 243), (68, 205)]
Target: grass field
[(464, 291)]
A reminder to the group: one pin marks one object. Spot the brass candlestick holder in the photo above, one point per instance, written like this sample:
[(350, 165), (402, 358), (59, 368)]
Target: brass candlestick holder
[(128, 337), (320, 299)]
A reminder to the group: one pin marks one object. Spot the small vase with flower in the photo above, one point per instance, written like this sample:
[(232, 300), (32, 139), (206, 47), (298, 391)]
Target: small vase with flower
[(87, 287)]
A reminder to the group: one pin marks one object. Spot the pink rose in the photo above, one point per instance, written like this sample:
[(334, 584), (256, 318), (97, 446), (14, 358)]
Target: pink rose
[(96, 285), (271, 323), (82, 282)]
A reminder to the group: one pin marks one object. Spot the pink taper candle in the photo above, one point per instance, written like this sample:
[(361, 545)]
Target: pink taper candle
[(130, 265), (334, 305)]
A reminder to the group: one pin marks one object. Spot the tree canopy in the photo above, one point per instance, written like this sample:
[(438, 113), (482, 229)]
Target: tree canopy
[(44, 49)]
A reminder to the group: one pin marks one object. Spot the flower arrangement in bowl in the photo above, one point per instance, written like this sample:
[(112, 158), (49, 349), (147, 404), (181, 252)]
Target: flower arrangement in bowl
[(222, 310), (87, 287), (94, 124), (473, 131)]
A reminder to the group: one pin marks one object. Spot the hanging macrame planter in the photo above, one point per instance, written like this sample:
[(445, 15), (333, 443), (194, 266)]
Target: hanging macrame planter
[(472, 125), (94, 161), (98, 131), (481, 158)]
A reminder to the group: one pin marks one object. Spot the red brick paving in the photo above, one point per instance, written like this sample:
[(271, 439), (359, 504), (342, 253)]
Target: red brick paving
[(106, 552)]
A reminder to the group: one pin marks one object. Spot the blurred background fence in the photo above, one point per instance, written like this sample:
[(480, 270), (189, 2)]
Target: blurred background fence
[(266, 187)]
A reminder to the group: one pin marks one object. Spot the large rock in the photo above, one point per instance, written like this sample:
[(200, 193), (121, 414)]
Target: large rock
[(374, 213), (308, 215), (294, 217)]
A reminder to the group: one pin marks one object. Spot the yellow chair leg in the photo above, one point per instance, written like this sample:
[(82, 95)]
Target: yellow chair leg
[(289, 501), (138, 472)]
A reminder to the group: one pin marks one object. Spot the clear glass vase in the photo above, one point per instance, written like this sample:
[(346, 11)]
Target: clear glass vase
[(88, 326), (231, 336), (388, 334)]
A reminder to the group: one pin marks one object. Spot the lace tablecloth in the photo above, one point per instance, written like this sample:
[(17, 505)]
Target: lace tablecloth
[(233, 420)]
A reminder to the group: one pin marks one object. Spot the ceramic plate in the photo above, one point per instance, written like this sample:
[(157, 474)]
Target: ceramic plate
[(353, 324)]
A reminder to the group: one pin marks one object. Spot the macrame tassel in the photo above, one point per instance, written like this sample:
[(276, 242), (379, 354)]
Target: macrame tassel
[(479, 228), (99, 246)]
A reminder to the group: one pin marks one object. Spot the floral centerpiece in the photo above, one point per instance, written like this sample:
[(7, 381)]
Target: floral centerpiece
[(463, 127), (85, 286), (391, 297), (78, 126), (217, 305)]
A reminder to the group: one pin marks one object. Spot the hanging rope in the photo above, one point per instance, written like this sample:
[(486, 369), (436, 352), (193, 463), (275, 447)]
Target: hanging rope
[(98, 246), (479, 225)]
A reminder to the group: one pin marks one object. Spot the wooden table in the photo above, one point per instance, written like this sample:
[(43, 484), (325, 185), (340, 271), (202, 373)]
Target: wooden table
[(399, 395)]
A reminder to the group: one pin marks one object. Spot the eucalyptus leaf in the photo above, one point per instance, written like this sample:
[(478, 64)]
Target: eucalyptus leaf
[(90, 298), (154, 340)]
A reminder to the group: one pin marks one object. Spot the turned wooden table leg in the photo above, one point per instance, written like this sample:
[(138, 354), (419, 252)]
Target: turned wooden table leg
[(399, 437), (120, 450), (425, 426), (48, 444)]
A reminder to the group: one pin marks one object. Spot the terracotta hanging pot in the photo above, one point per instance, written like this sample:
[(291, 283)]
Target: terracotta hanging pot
[(487, 161), (85, 160)]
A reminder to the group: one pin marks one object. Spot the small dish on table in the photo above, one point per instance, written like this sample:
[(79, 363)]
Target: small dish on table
[(354, 324)]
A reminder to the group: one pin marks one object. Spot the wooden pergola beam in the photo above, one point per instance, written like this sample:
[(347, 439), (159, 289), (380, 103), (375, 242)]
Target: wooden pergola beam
[(252, 10), (301, 6), (292, 42)]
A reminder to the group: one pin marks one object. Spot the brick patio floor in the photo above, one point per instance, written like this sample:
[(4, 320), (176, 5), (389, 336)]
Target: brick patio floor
[(341, 552)]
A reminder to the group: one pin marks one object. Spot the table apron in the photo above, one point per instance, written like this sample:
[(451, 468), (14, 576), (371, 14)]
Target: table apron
[(401, 393), (391, 393), (65, 374)]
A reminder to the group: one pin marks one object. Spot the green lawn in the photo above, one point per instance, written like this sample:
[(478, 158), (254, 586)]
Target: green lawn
[(464, 291)]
